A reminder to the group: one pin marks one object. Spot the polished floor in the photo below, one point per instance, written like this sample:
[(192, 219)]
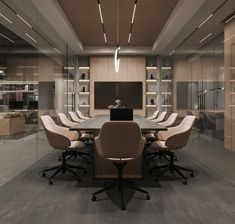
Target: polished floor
[(28, 198)]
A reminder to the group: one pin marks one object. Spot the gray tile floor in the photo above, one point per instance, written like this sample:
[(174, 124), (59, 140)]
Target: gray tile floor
[(28, 198)]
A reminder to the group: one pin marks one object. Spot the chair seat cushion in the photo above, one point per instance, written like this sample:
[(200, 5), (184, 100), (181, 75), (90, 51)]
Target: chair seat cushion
[(76, 145), (158, 145)]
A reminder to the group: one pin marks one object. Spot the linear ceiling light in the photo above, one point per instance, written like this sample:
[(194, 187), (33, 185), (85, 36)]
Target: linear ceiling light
[(57, 50), (132, 21), (172, 52), (31, 37), (7, 38), (117, 59), (102, 21), (205, 20), (230, 19), (5, 18), (203, 39), (24, 20)]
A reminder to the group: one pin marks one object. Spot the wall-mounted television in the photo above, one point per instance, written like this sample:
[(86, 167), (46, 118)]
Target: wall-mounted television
[(130, 94)]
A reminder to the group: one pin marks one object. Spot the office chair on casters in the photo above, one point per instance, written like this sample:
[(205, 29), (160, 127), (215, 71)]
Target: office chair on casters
[(120, 142), (153, 116), (59, 138), (174, 139), (161, 117), (81, 116)]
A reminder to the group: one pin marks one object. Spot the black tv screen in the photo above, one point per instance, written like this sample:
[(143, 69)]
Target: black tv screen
[(130, 94)]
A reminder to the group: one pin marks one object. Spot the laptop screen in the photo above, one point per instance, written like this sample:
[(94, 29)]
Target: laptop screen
[(121, 114)]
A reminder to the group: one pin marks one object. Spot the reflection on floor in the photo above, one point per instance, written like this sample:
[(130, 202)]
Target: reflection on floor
[(211, 153), (29, 199), (18, 154)]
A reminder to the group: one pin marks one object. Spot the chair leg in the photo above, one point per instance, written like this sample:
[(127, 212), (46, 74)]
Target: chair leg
[(105, 188), (138, 189)]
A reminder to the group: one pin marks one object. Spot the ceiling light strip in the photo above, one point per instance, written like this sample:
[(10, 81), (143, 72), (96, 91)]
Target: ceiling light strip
[(205, 20), (24, 20), (102, 21), (5, 18), (31, 37), (230, 19), (7, 38), (172, 52), (132, 21), (203, 39), (57, 50)]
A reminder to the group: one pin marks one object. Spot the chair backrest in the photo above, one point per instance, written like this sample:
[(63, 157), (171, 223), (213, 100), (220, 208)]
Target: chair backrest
[(177, 137), (65, 121), (57, 136), (161, 117), (154, 115), (80, 115), (74, 117), (120, 139), (170, 120)]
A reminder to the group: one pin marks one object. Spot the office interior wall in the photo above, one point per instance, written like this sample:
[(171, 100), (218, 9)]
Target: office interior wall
[(132, 68)]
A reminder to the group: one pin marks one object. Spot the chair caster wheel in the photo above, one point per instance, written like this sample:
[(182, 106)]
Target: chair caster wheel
[(150, 171), (147, 197), (157, 179), (192, 175), (185, 182), (59, 158), (50, 182), (84, 171), (123, 208), (43, 174), (93, 198)]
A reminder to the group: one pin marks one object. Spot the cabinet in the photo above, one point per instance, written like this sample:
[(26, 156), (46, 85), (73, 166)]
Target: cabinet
[(84, 89), (151, 89), (166, 88)]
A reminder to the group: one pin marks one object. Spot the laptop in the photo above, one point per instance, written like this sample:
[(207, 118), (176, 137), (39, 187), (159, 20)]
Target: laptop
[(121, 114)]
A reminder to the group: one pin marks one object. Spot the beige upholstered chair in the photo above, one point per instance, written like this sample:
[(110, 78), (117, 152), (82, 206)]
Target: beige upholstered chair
[(74, 117), (61, 138), (120, 142), (174, 138), (161, 117), (81, 116), (154, 115), (170, 120)]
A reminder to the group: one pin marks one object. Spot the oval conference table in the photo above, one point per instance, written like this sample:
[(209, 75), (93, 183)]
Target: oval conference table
[(104, 168)]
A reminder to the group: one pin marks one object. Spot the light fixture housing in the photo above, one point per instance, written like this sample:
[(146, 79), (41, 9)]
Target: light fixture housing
[(117, 59)]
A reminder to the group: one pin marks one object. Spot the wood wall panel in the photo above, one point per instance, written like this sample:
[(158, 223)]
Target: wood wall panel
[(132, 68)]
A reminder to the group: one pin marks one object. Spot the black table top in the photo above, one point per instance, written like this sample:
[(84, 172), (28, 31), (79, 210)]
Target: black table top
[(95, 123)]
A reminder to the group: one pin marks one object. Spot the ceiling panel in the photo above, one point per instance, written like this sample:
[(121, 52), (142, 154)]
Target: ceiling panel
[(151, 16)]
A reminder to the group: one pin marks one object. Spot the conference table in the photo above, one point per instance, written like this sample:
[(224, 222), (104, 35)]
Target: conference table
[(104, 168)]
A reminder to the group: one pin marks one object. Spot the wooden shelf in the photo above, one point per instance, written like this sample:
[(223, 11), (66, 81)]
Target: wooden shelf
[(84, 93), (166, 80), (83, 67), (68, 92), (84, 105), (69, 80), (18, 82), (151, 80), (151, 68), (18, 91), (231, 93), (151, 93), (166, 93), (84, 80), (166, 105), (68, 105), (150, 106)]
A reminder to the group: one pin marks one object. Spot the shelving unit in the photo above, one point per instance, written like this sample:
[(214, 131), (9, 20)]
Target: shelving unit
[(69, 93), (18, 92), (166, 88), (151, 89), (84, 89)]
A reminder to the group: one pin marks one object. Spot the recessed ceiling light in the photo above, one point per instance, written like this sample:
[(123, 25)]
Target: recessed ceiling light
[(1, 71), (24, 20), (205, 20), (230, 19), (203, 39), (57, 50), (5, 18), (129, 38), (7, 38), (172, 52), (31, 37)]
